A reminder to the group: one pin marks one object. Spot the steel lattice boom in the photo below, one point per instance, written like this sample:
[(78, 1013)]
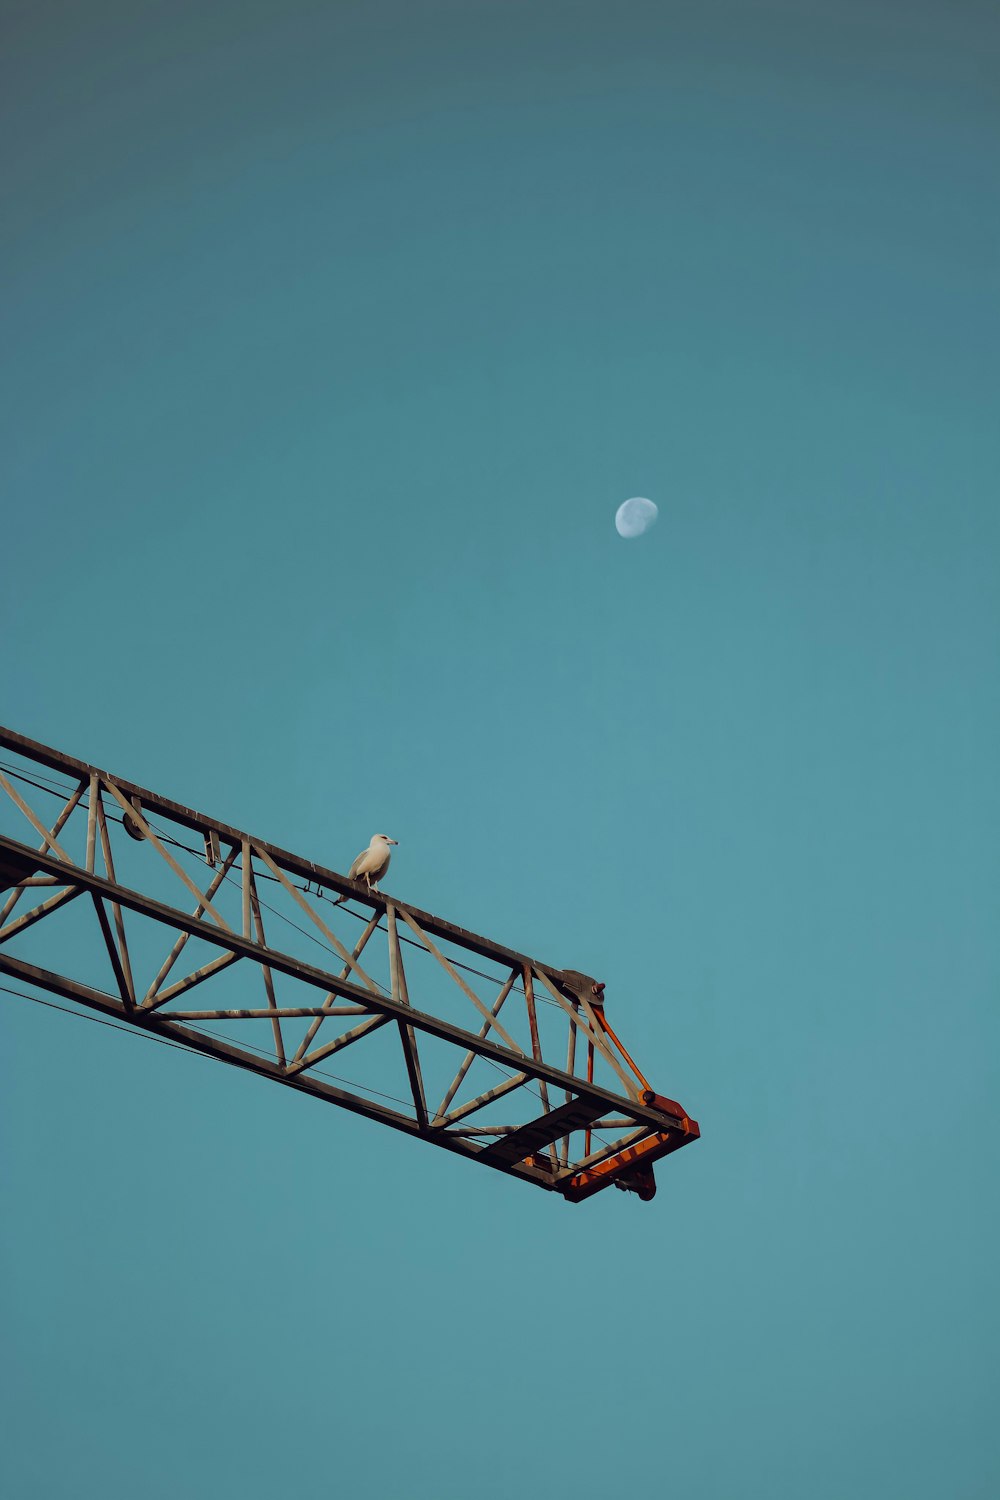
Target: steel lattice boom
[(456, 1037)]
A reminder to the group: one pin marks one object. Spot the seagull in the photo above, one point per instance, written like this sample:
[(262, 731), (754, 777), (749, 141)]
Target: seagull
[(372, 863)]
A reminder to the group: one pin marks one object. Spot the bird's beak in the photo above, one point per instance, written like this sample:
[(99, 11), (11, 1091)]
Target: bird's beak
[(394, 841)]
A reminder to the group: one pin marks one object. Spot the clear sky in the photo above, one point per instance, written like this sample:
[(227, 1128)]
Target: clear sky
[(332, 336)]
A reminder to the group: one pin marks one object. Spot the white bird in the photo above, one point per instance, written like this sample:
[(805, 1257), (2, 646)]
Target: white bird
[(372, 863)]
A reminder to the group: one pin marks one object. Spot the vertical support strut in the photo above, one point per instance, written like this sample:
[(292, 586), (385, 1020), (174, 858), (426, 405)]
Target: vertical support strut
[(406, 1033), (279, 1046), (121, 962)]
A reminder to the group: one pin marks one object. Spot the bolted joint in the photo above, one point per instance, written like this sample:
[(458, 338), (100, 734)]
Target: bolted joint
[(583, 987), (130, 826)]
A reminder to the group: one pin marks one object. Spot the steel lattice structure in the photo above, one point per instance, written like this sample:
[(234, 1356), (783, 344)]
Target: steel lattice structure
[(425, 1007)]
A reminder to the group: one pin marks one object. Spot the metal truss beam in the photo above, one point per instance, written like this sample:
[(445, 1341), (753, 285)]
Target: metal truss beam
[(542, 1147)]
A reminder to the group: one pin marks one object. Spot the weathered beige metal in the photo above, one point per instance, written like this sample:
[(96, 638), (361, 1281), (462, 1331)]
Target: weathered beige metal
[(141, 930)]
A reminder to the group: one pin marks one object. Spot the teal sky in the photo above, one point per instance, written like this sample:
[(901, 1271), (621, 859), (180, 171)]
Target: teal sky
[(332, 336)]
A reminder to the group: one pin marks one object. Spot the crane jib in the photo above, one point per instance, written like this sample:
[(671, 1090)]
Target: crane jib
[(492, 1055)]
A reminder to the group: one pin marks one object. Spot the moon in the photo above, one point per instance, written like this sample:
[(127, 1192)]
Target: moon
[(634, 517)]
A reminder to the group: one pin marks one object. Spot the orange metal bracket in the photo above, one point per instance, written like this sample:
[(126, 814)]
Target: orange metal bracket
[(632, 1169)]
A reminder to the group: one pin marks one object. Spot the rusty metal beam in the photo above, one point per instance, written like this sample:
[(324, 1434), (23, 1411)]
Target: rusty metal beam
[(231, 941), (214, 1047), (292, 864), (539, 1150)]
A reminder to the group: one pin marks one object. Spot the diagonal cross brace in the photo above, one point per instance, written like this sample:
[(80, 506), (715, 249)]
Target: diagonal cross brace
[(297, 969)]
